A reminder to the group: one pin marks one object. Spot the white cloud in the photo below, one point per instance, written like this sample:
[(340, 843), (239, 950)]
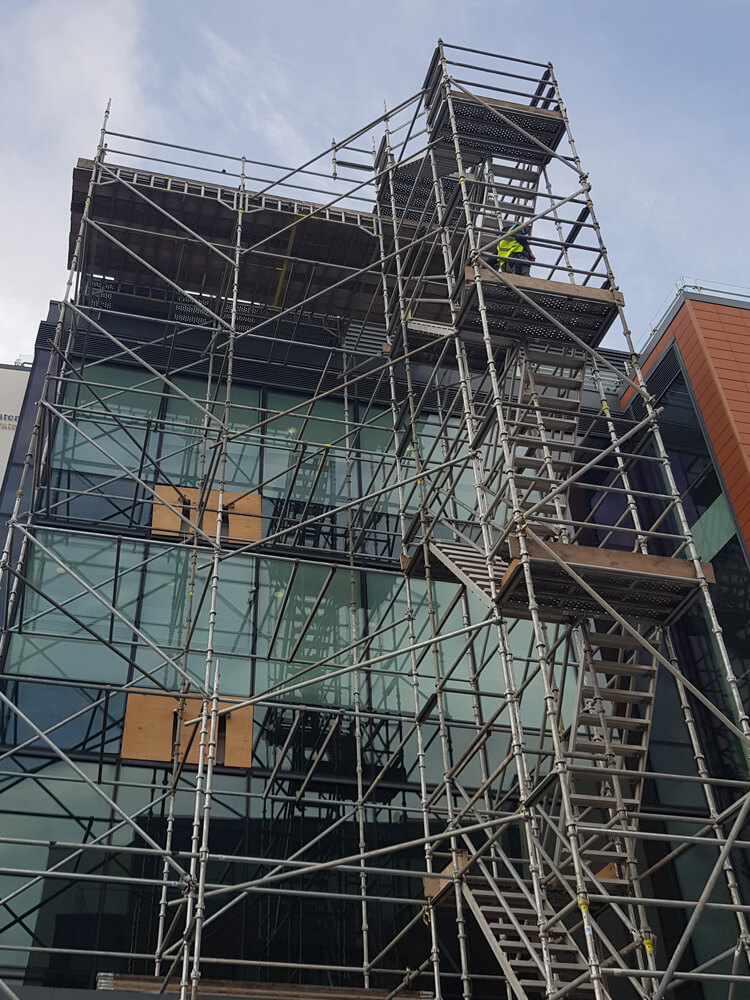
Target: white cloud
[(59, 62), (256, 94)]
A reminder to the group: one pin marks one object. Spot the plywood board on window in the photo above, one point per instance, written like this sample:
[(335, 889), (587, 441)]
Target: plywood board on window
[(246, 990), (239, 739), (235, 749), (242, 511), (433, 885), (149, 726)]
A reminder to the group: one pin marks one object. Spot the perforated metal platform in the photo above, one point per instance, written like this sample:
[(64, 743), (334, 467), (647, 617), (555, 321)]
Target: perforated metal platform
[(497, 127), (414, 192), (587, 312), (645, 588)]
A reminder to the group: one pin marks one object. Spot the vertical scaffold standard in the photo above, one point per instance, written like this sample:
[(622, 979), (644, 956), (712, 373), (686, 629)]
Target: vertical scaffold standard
[(350, 626)]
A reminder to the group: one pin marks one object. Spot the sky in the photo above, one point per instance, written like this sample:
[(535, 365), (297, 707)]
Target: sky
[(657, 94)]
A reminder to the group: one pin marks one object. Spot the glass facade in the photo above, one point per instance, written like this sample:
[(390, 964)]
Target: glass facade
[(283, 619), (719, 542)]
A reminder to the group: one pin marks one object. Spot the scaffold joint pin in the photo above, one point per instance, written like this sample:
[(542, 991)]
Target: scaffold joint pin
[(189, 884)]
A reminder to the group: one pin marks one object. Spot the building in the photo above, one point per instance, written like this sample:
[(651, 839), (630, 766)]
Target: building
[(696, 364), (13, 379), (702, 344), (358, 626)]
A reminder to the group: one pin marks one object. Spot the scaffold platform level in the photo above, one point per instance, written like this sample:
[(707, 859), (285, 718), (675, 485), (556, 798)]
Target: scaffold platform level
[(647, 588), (423, 333), (413, 193), (588, 312), (154, 302), (214, 988), (151, 183), (180, 236), (411, 188), (643, 587), (500, 128)]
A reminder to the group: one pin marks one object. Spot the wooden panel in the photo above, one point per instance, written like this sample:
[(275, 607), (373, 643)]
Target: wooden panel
[(608, 873), (529, 284), (243, 513), (149, 725), (507, 576), (163, 520), (434, 886), (192, 711), (239, 741), (495, 102), (628, 562), (115, 981), (237, 747), (245, 522)]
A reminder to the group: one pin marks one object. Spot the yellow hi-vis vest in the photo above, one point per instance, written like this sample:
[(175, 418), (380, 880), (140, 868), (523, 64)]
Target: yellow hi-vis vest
[(507, 246)]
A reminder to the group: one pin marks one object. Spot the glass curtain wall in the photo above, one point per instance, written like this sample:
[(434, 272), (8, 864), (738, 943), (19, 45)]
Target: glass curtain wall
[(290, 612)]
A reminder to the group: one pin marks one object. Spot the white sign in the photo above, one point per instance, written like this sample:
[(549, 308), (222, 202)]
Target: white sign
[(12, 388)]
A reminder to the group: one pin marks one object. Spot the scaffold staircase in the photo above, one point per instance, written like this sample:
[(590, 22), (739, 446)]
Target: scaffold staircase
[(514, 928), (606, 752), (607, 746), (544, 395), (517, 919), (531, 561)]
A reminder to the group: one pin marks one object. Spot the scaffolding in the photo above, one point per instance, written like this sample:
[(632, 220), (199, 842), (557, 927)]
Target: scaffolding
[(416, 751)]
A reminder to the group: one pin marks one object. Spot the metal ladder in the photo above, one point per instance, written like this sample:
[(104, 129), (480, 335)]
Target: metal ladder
[(505, 912), (607, 750), (544, 402)]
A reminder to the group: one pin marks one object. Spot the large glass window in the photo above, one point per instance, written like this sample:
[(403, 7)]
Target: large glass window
[(183, 455), (304, 469), (65, 610), (114, 409), (303, 459)]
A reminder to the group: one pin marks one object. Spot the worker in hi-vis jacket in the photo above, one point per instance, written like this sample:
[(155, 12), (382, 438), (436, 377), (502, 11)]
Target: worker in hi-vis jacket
[(514, 250)]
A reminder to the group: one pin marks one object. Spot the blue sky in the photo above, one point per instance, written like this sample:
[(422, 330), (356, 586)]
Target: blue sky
[(657, 94)]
